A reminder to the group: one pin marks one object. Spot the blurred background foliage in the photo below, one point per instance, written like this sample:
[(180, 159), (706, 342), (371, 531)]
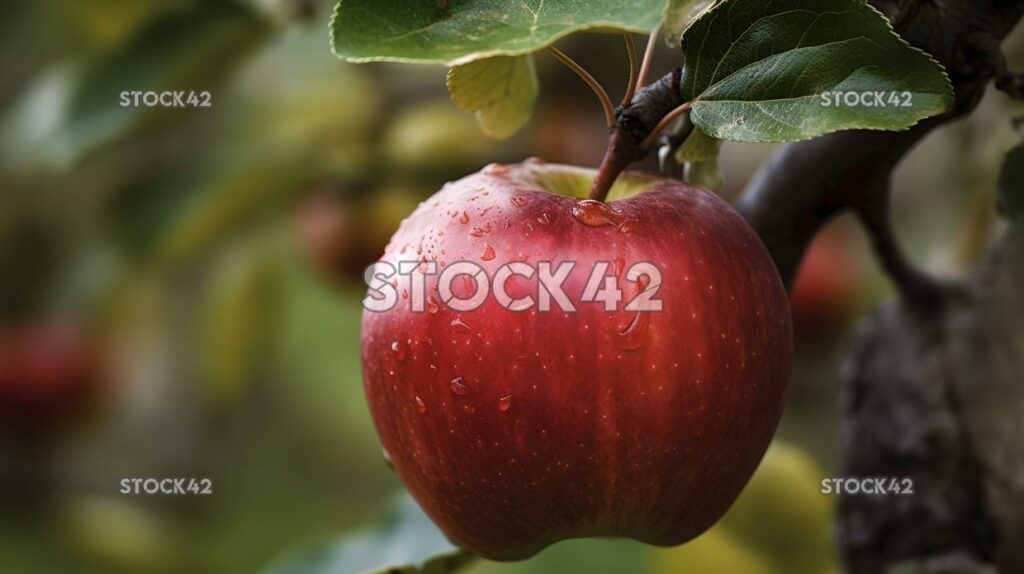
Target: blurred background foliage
[(179, 287)]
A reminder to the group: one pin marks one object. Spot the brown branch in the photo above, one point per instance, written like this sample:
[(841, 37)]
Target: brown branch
[(807, 183)]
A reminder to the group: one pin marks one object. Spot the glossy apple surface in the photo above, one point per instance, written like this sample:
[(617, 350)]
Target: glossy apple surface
[(517, 429)]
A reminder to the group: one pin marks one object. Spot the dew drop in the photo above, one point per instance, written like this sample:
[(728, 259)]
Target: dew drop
[(519, 201), (593, 213), (481, 231), (398, 350), (505, 403), (464, 218), (459, 386), (488, 253), (432, 306), (420, 405), (433, 369), (459, 325)]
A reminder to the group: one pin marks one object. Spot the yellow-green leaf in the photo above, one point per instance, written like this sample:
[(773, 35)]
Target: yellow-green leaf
[(501, 90), (698, 146)]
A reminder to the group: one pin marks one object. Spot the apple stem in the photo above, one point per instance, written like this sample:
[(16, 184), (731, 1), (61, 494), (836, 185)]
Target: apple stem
[(635, 128), (602, 95)]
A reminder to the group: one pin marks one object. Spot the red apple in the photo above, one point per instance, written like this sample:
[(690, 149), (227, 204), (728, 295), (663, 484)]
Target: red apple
[(326, 232), (341, 235), (825, 293), (48, 377), (515, 429)]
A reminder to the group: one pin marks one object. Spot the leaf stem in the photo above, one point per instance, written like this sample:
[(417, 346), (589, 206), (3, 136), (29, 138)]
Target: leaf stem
[(652, 137), (606, 102), (633, 71), (645, 68)]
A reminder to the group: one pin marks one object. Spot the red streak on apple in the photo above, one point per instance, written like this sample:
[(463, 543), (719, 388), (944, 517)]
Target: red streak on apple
[(517, 429)]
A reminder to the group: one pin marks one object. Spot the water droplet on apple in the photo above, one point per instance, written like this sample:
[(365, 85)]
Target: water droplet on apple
[(398, 350), (505, 403), (488, 253), (459, 386), (432, 306), (631, 335), (433, 369), (459, 325), (519, 201), (481, 231), (495, 169), (420, 405), (593, 213), (464, 218)]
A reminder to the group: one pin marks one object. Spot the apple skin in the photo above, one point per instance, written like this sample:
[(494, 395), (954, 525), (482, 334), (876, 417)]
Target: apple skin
[(561, 430)]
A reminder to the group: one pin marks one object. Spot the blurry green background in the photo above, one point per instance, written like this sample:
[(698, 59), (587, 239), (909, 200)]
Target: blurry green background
[(179, 288)]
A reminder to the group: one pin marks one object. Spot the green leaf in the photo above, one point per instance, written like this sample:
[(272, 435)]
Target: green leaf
[(1011, 184), (419, 31), (760, 71), (501, 90), (405, 542), (678, 15), (698, 146)]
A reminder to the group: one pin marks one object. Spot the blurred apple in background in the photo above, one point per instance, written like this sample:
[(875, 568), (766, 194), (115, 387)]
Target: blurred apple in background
[(49, 376), (342, 235), (827, 291)]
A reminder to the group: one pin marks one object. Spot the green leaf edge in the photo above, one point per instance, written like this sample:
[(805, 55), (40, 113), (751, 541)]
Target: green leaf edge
[(475, 55), (951, 94)]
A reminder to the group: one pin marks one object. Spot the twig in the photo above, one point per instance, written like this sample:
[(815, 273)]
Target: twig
[(652, 137), (606, 102), (645, 68), (633, 71)]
